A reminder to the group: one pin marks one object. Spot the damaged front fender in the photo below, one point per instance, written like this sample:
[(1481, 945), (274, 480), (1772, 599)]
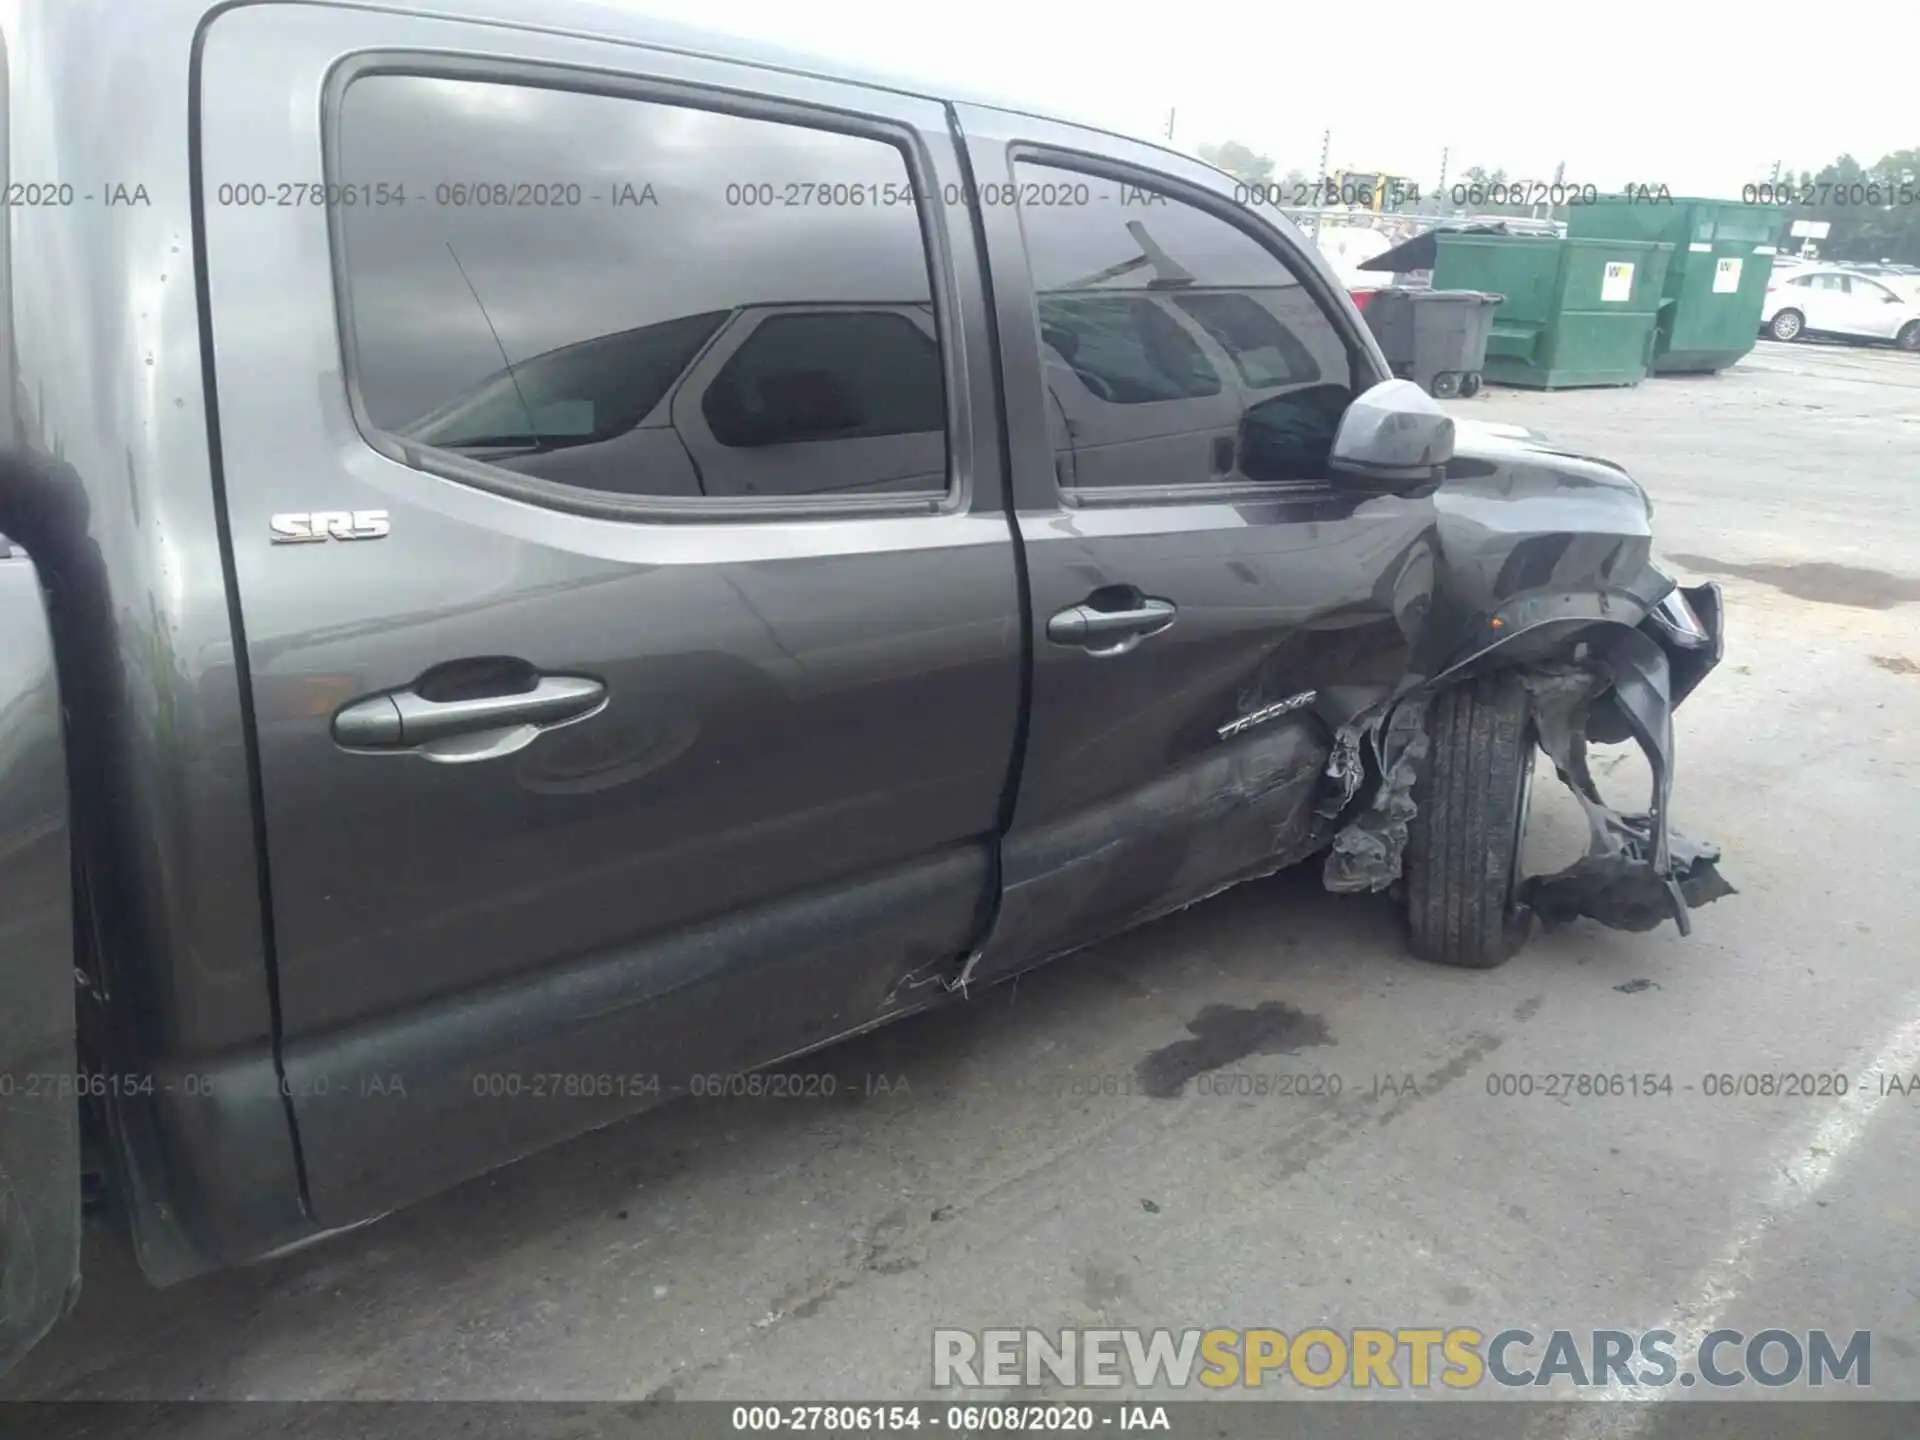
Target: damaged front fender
[(1606, 683)]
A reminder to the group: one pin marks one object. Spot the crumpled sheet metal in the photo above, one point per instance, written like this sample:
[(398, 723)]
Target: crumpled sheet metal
[(1618, 882), (1368, 851)]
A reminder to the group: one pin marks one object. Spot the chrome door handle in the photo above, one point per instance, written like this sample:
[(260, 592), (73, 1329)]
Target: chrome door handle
[(407, 720), (552, 699), (1110, 632)]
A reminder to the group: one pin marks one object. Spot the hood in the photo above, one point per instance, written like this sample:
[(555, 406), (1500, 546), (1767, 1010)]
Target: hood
[(1513, 462)]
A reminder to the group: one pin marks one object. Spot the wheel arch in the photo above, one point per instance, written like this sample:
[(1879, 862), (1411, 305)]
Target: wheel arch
[(1589, 677)]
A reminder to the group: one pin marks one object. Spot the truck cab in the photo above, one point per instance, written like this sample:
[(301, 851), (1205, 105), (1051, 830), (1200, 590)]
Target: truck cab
[(555, 554)]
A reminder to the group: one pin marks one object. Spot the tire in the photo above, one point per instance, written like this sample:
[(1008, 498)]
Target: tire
[(1787, 325), (1463, 843), (1909, 337), (1446, 385), (1470, 385)]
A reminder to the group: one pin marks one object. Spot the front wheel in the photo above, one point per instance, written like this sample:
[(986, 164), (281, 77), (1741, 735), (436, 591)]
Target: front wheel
[(1909, 336), (1470, 814), (1787, 325)]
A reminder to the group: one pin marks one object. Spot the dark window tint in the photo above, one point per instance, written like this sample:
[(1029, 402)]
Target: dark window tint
[(1126, 351), (608, 293), (580, 393), (824, 377), (1265, 352), (1176, 347)]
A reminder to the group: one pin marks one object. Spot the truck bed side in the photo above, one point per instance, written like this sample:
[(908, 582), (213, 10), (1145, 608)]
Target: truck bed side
[(39, 1119)]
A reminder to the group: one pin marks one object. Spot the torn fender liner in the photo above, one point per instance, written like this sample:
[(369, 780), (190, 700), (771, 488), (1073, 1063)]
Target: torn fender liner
[(1619, 889), (1637, 871)]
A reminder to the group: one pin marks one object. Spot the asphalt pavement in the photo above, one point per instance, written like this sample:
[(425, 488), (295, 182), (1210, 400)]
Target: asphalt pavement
[(999, 1164)]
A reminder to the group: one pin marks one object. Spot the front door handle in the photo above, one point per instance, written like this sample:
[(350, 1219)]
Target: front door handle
[(408, 720), (1110, 632)]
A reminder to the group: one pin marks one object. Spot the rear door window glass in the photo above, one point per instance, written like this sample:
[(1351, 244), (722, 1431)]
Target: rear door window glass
[(620, 300), (827, 376)]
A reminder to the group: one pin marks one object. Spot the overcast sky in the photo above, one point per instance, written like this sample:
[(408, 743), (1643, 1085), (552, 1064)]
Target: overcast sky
[(1700, 94)]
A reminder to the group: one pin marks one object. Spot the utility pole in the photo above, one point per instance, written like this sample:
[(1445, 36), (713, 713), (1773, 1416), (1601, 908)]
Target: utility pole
[(1444, 152), (1326, 148), (1170, 114), (1776, 174)]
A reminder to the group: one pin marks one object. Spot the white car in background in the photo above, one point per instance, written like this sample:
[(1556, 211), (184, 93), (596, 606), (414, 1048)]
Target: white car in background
[(1827, 300), (1347, 247)]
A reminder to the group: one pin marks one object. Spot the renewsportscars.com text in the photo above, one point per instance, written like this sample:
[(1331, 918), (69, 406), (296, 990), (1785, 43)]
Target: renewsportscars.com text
[(1457, 1357)]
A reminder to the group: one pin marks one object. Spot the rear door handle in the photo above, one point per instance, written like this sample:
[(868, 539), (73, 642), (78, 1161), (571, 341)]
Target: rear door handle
[(1110, 632), (407, 720)]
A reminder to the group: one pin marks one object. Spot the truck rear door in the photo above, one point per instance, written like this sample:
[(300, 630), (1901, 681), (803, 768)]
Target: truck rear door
[(631, 611)]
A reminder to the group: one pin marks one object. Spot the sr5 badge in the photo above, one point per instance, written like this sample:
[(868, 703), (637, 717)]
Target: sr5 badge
[(300, 527)]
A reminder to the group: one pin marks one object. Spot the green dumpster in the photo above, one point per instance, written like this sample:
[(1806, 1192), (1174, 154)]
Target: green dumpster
[(1722, 259), (1577, 312)]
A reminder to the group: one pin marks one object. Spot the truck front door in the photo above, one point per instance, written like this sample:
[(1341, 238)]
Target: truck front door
[(1207, 605)]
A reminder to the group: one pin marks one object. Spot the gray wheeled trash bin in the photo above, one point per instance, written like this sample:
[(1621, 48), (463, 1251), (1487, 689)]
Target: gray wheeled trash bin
[(1435, 338)]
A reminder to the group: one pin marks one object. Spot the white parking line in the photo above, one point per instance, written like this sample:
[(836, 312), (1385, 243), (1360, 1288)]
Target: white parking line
[(1799, 1173)]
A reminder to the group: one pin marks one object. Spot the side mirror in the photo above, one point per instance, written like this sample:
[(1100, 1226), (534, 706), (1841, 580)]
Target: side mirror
[(1394, 435)]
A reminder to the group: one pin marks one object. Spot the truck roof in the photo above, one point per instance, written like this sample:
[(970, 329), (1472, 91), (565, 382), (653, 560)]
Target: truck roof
[(615, 20)]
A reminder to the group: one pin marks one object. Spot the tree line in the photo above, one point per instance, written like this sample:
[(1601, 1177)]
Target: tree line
[(1874, 210)]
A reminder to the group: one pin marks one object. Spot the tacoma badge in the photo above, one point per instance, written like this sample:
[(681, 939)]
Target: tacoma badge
[(1266, 713)]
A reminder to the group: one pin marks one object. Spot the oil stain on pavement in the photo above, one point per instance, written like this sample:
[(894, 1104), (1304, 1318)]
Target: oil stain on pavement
[(1223, 1034), (1818, 580)]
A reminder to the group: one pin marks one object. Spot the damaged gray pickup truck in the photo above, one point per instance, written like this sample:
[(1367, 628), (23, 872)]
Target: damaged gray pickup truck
[(551, 557)]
